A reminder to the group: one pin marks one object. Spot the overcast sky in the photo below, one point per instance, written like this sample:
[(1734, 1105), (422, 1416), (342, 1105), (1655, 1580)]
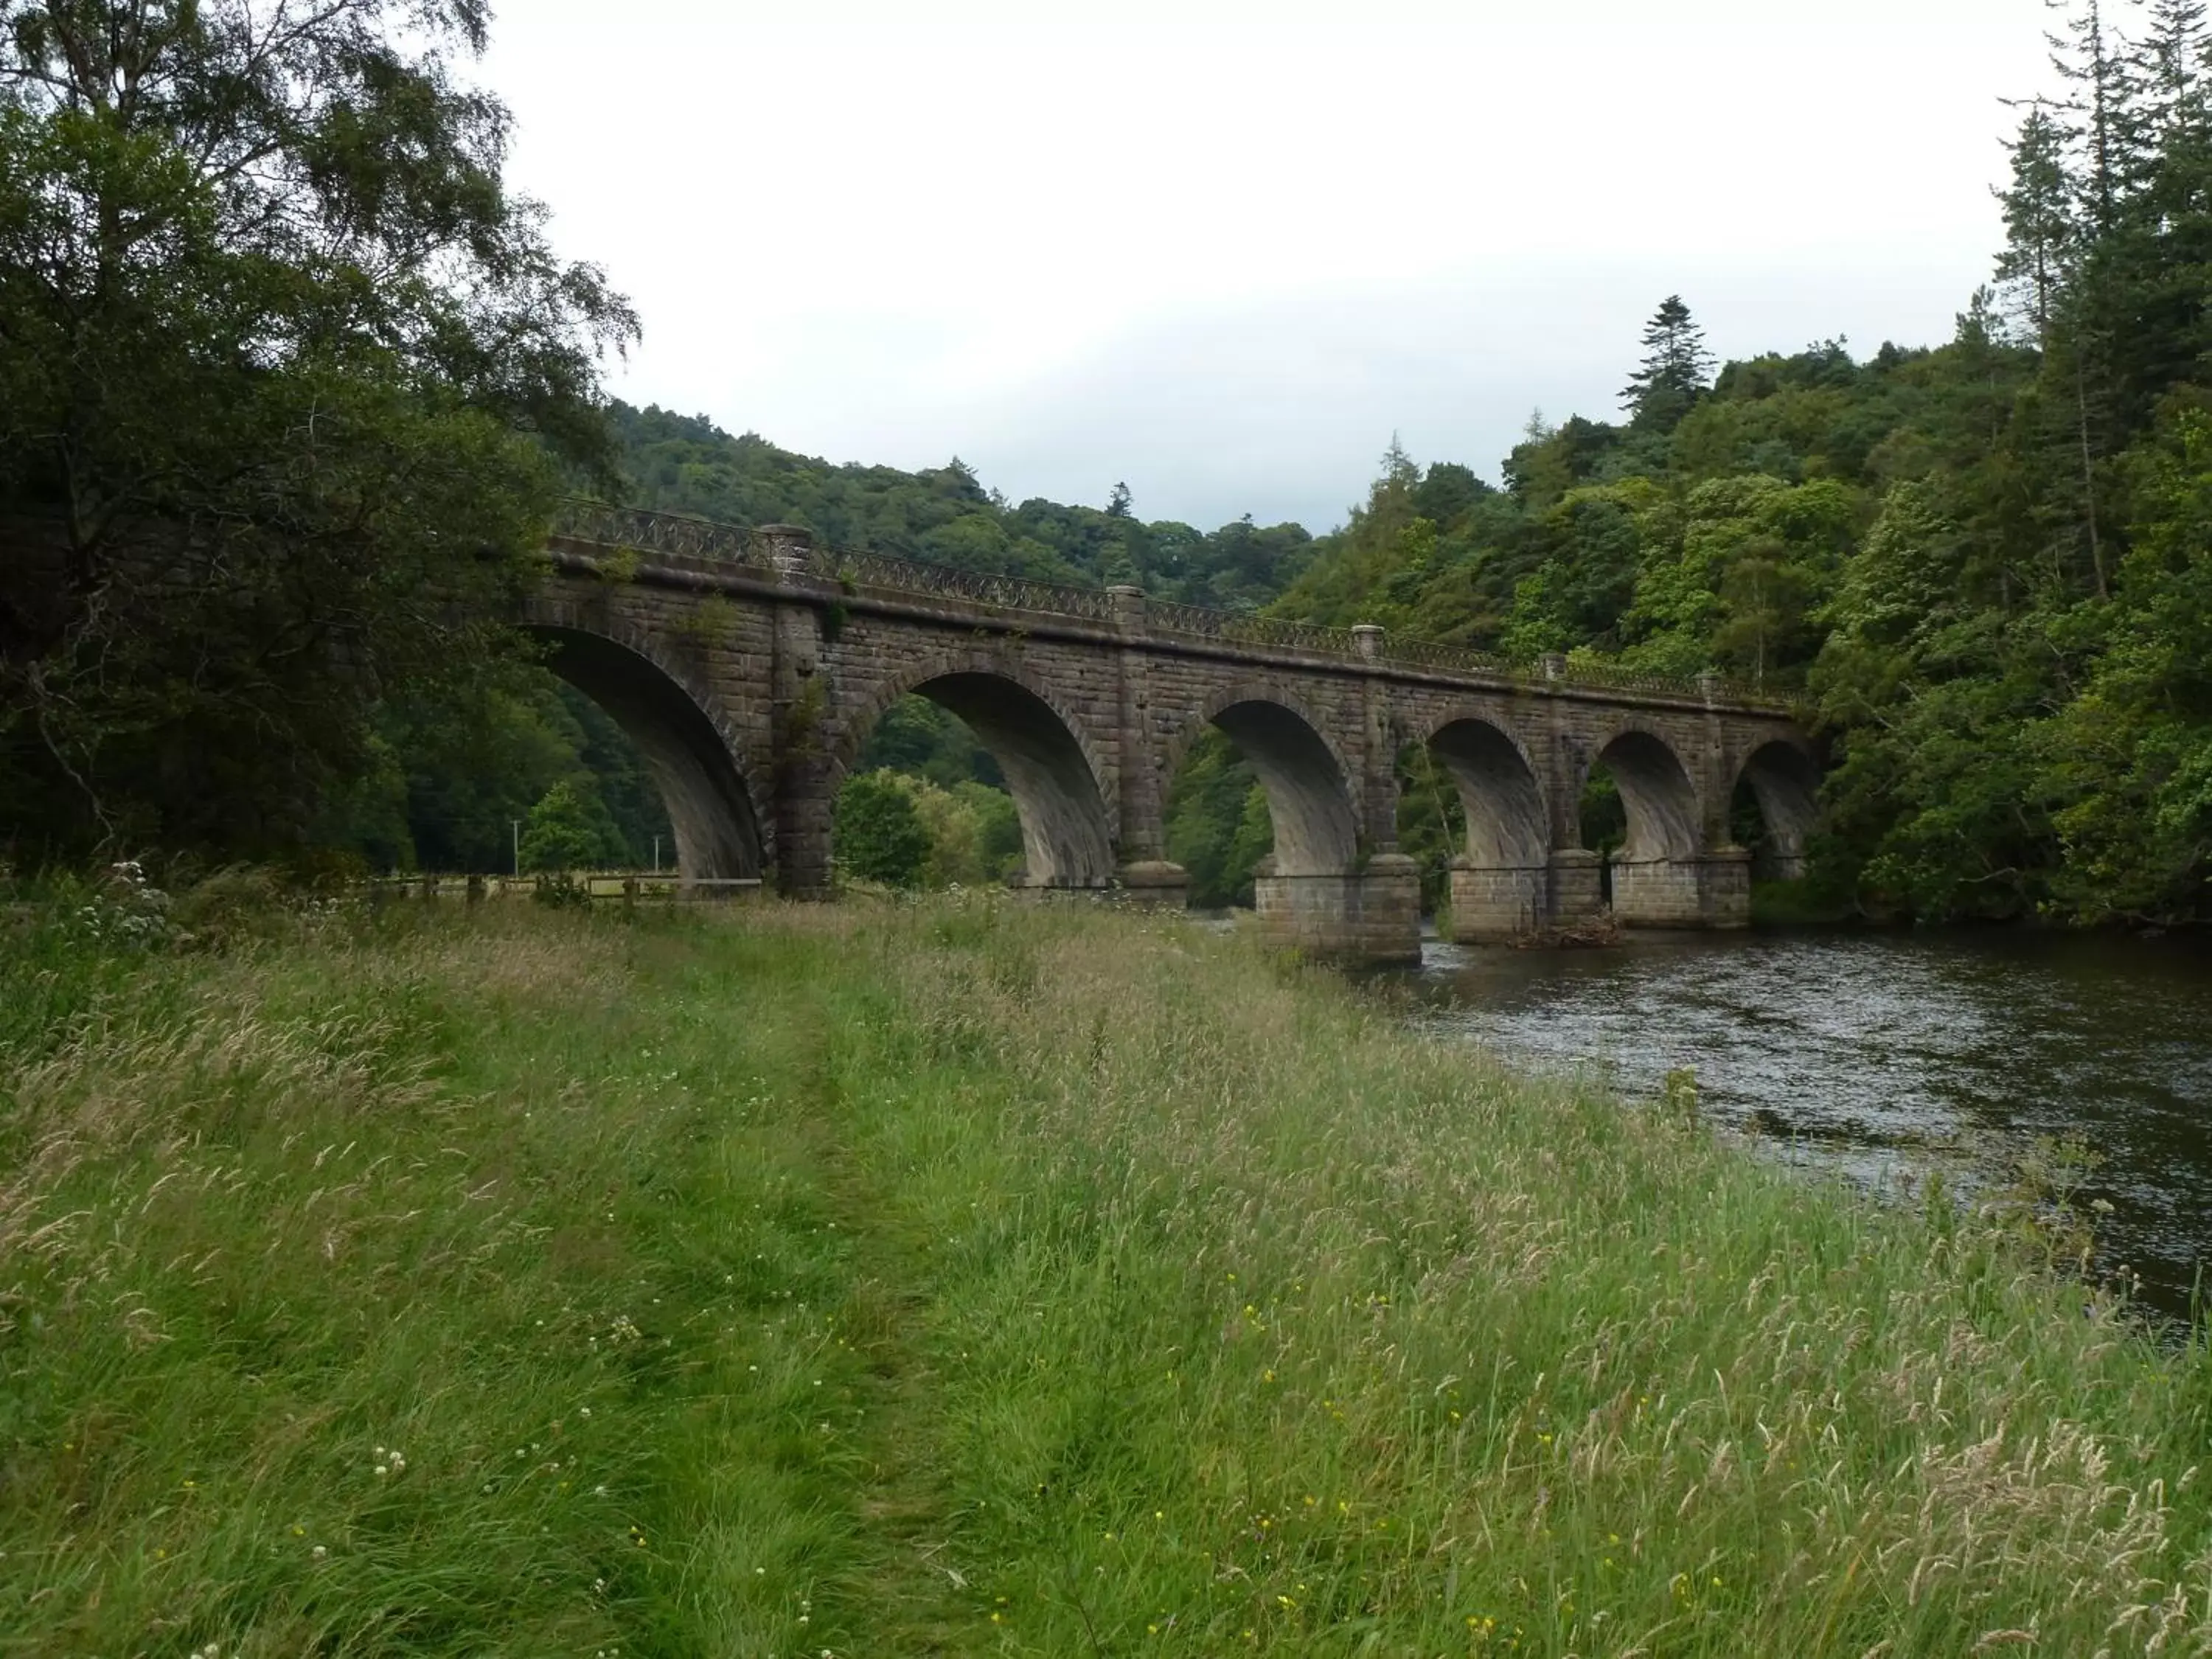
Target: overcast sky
[(1224, 251)]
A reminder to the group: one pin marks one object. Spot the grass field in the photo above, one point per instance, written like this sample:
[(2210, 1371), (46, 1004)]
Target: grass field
[(965, 1278)]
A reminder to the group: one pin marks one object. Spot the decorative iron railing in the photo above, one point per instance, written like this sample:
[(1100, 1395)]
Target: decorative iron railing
[(637, 532)]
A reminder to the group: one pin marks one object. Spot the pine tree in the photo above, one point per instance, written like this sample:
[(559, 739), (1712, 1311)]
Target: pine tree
[(1677, 368), (2043, 238), (2093, 342), (2150, 295), (2091, 58), (2171, 62), (1118, 505)]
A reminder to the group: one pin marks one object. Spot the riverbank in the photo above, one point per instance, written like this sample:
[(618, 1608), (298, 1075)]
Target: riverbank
[(969, 1278)]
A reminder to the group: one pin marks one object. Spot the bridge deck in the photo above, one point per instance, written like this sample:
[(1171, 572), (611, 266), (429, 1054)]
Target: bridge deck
[(615, 535)]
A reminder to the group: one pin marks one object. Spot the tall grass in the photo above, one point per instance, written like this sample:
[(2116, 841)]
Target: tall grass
[(965, 1278)]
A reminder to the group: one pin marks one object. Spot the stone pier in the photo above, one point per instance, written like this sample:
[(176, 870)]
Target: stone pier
[(1711, 889), (1493, 905), (1372, 914)]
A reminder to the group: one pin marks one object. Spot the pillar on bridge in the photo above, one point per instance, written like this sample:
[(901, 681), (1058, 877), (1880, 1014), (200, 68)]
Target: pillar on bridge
[(1155, 884), (1370, 910), (1724, 888), (1659, 892), (1146, 877), (1492, 903), (1577, 885), (799, 701), (1369, 915), (1709, 889)]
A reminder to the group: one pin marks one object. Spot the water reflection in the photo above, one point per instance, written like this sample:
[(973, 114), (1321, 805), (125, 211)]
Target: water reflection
[(1879, 1056)]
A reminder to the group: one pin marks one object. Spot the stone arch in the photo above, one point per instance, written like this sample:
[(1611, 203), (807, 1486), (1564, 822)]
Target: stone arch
[(1661, 800), (1786, 779), (1308, 784), (696, 761), (1052, 770), (1498, 787)]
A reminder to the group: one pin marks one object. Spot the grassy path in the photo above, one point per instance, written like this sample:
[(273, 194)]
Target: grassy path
[(830, 1297), (965, 1279)]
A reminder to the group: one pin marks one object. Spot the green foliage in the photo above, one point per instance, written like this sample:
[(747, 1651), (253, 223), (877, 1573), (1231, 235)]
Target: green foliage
[(920, 738), (2129, 762), (285, 376), (1217, 828), (569, 829), (1431, 824), (974, 833), (452, 774), (906, 830), (945, 515), (1675, 371), (880, 835)]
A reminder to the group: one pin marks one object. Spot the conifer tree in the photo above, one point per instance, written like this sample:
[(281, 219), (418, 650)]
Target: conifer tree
[(2171, 64), (2092, 59), (2150, 294), (2043, 237), (1677, 368)]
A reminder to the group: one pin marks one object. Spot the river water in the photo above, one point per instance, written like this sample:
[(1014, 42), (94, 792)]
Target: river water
[(1880, 1057)]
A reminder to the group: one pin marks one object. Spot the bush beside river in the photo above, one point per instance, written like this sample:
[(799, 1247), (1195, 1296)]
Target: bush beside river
[(965, 1276)]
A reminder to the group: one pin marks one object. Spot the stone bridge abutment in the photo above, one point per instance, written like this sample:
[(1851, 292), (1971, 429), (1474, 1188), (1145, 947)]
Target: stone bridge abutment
[(752, 667)]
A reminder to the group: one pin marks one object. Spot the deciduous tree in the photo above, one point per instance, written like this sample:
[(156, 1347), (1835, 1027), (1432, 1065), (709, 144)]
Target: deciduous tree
[(287, 379)]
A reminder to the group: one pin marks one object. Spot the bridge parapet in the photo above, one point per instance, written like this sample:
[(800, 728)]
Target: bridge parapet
[(636, 530)]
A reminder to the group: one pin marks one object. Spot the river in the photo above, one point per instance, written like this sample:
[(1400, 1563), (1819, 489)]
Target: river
[(1879, 1057)]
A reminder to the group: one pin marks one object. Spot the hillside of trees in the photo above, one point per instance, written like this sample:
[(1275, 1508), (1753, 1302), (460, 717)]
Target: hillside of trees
[(680, 463)]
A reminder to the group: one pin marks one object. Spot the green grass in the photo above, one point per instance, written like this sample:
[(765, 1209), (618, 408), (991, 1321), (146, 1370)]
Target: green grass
[(964, 1278)]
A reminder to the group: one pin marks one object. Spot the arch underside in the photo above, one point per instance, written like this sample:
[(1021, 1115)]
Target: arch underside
[(1309, 799), (1661, 801), (1498, 792), (717, 831), (1067, 840), (1787, 783)]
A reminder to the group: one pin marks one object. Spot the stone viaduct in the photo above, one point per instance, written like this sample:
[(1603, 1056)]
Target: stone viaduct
[(751, 667)]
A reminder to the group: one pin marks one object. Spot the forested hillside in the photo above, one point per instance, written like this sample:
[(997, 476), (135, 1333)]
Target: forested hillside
[(945, 515)]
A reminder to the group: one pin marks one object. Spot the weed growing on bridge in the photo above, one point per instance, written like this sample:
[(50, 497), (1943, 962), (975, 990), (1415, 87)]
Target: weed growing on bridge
[(964, 1278)]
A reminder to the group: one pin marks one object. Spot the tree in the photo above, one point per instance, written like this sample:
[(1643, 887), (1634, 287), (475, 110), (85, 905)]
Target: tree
[(880, 834), (287, 379), (1118, 505), (2089, 57), (564, 831), (2042, 235), (2169, 66), (1676, 370)]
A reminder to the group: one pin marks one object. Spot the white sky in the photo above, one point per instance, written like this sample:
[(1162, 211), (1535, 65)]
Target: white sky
[(1225, 250)]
